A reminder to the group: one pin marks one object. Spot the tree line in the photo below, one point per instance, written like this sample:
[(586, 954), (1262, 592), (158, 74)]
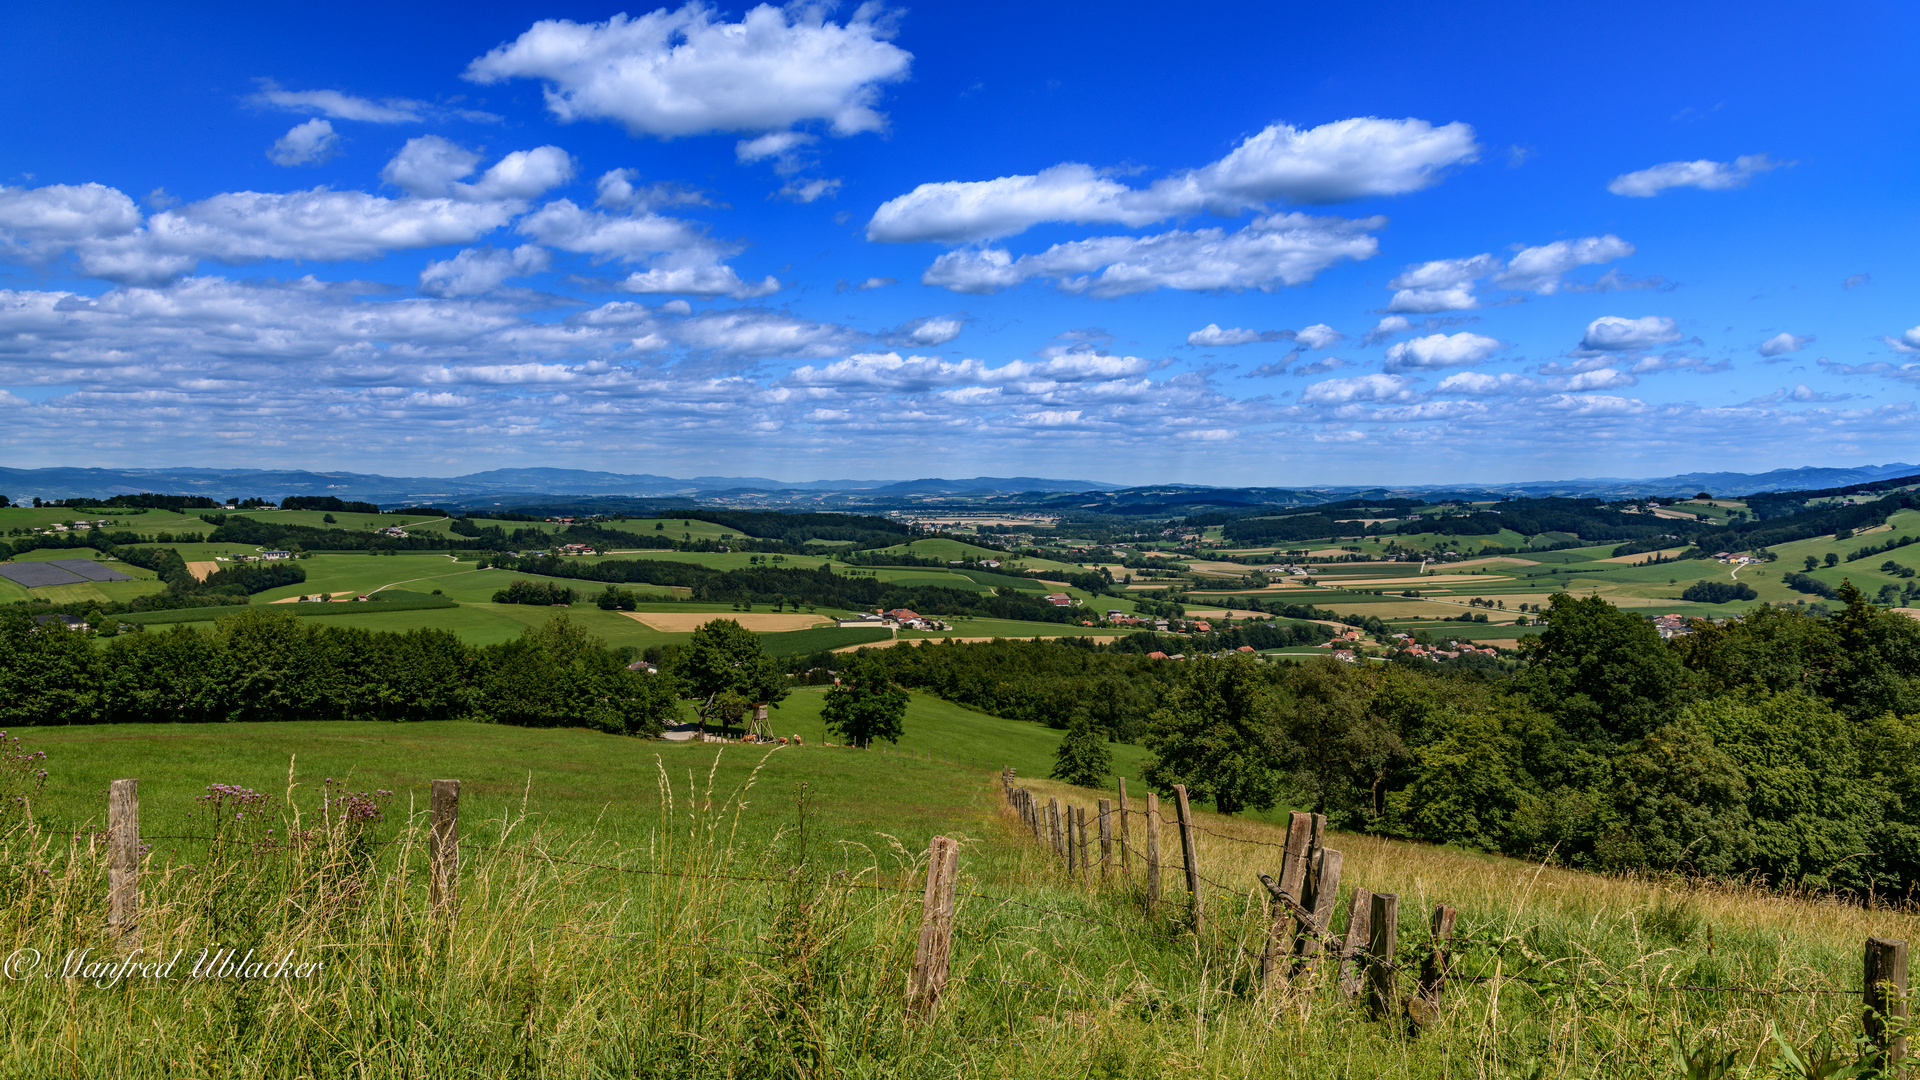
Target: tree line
[(1780, 744)]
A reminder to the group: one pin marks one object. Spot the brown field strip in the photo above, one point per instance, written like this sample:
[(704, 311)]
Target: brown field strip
[(686, 622), (200, 570)]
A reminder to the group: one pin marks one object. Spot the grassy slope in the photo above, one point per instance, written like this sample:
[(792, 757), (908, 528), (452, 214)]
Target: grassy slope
[(1138, 1005), (568, 775)]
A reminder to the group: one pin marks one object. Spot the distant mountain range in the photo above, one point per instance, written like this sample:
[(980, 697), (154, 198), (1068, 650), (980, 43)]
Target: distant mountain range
[(508, 487), (494, 484)]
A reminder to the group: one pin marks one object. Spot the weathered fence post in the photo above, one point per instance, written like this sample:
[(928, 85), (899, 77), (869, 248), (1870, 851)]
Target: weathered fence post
[(1190, 852), (1433, 969), (1069, 838), (443, 849), (1086, 853), (1054, 830), (1353, 944), (1153, 852), (1383, 935), (929, 975), (1106, 839), (1312, 935), (1886, 996), (1126, 829), (123, 861), (1292, 875)]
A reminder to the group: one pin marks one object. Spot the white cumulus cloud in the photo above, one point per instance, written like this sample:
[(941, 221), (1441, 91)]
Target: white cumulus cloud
[(311, 143), (1319, 336), (1360, 388), (481, 270), (1612, 333), (1210, 336), (1705, 175), (1334, 162), (430, 167), (684, 72), (1270, 252), (1783, 343), (1435, 351), (1908, 342), (1539, 269)]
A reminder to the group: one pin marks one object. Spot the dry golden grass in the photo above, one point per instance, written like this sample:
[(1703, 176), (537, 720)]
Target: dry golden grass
[(200, 570)]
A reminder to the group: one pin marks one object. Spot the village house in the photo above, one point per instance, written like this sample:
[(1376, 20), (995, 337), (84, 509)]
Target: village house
[(1059, 599)]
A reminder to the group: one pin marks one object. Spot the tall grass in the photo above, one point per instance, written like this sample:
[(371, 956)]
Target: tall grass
[(715, 950)]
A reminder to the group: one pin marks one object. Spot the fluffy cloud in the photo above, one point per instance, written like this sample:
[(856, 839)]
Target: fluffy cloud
[(1705, 175), (1448, 284), (1360, 388), (1611, 333), (1319, 336), (682, 258), (754, 333), (1908, 342), (701, 280), (1211, 336), (1901, 372), (1539, 269), (311, 143), (107, 237), (37, 224), (927, 333), (1386, 328), (1440, 285), (1272, 251), (1783, 343), (431, 167), (481, 270), (1441, 351), (672, 73), (1508, 383), (616, 190), (1349, 159), (340, 106), (784, 147)]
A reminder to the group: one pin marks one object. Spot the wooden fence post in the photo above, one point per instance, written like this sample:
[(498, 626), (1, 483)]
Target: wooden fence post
[(929, 975), (1292, 876), (1190, 851), (1106, 839), (1153, 852), (1353, 945), (443, 849), (1433, 969), (1053, 829), (1312, 935), (1068, 813), (123, 861), (1086, 853), (1383, 936), (1886, 996), (1126, 828)]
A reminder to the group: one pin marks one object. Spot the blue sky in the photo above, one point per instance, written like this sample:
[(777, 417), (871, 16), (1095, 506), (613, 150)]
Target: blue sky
[(1262, 244)]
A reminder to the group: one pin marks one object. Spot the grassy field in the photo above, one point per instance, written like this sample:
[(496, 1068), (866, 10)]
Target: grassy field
[(637, 908)]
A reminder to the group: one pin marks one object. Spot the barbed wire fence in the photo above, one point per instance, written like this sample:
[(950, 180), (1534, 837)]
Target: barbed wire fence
[(1365, 963)]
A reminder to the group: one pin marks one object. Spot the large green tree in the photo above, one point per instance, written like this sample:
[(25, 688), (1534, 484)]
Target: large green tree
[(866, 705), (725, 659), (1213, 732), (1603, 673), (1083, 757)]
